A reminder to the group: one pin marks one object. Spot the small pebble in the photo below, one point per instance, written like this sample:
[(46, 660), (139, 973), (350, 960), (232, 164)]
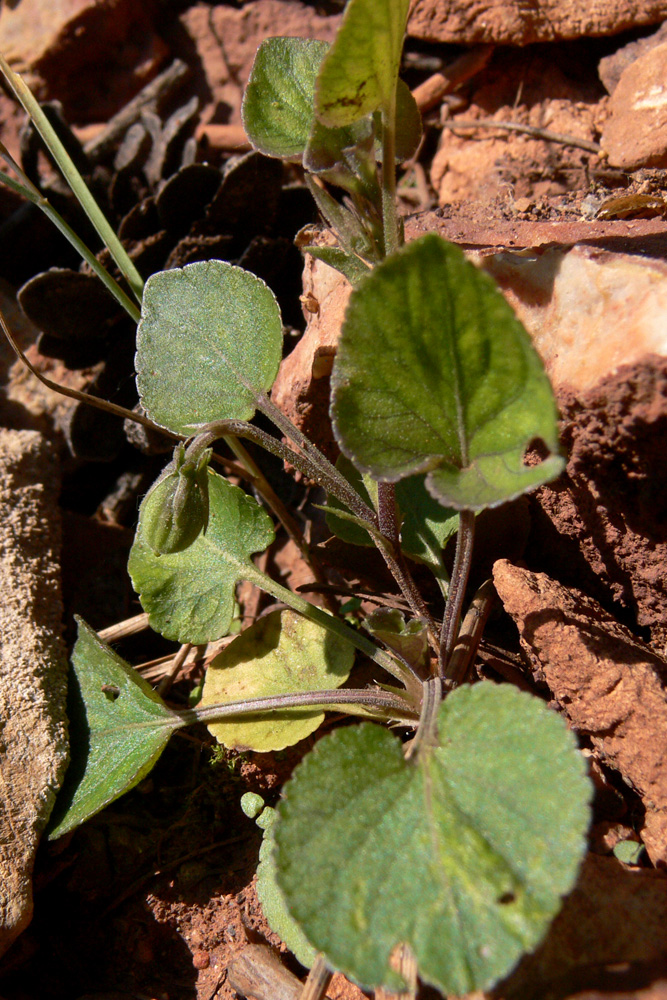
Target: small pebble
[(201, 959)]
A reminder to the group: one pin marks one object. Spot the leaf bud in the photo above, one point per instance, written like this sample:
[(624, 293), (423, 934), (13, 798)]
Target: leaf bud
[(174, 512)]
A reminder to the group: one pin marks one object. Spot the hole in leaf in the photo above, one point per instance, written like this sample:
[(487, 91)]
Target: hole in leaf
[(536, 452), (507, 898)]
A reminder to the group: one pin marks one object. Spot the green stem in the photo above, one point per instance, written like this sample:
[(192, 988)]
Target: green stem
[(314, 614), (76, 182), (389, 215), (27, 190)]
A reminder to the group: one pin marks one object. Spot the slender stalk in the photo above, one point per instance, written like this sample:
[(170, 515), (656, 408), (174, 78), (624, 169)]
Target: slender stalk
[(389, 216), (347, 495), (457, 588), (471, 633), (427, 730), (365, 645), (29, 191), (82, 397), (391, 705), (76, 182)]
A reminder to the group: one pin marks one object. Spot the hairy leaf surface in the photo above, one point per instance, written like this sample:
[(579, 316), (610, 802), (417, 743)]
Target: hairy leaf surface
[(278, 110), (463, 853), (209, 341), (455, 387), (281, 653), (189, 595), (118, 729)]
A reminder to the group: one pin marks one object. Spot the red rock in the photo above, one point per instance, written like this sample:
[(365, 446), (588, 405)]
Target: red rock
[(635, 134), (226, 41), (515, 22), (93, 55)]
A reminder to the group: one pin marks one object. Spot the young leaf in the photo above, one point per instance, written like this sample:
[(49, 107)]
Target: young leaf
[(455, 387), (408, 639), (349, 265), (189, 595), (278, 111), (427, 525), (282, 653), (477, 839), (209, 342), (359, 72), (118, 729)]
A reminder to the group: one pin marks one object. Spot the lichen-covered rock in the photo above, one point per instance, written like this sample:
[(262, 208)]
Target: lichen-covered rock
[(33, 666)]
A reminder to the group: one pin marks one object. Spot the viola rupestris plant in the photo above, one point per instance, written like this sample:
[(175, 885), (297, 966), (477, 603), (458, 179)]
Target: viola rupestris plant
[(459, 842)]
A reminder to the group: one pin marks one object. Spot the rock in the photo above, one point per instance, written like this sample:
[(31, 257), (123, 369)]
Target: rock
[(608, 936), (515, 22), (611, 67), (610, 685), (226, 41), (302, 387), (603, 521), (635, 134), (93, 55), (34, 666), (588, 311)]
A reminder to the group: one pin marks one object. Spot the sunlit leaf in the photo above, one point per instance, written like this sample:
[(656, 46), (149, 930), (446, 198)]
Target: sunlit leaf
[(272, 899), (189, 595), (278, 102), (455, 389), (209, 341), (281, 653), (118, 729), (359, 72), (463, 852)]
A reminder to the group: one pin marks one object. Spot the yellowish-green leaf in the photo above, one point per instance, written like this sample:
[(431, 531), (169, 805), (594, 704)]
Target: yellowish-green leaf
[(282, 653)]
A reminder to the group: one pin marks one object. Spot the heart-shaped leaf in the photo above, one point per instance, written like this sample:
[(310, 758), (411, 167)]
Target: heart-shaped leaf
[(209, 342), (455, 388), (281, 653), (463, 852), (118, 729), (189, 595), (359, 72)]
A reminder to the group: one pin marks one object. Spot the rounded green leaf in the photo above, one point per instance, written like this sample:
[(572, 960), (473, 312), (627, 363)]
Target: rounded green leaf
[(118, 729), (463, 853), (278, 110), (281, 653), (209, 342), (189, 595), (434, 373), (359, 72)]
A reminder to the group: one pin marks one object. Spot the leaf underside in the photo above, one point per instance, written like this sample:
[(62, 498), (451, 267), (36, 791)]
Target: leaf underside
[(463, 854), (189, 595), (456, 388), (281, 653)]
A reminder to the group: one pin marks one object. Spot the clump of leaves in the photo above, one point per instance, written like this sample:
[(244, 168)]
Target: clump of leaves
[(460, 841)]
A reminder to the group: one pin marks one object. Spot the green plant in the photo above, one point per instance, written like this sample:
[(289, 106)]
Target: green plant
[(461, 842)]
